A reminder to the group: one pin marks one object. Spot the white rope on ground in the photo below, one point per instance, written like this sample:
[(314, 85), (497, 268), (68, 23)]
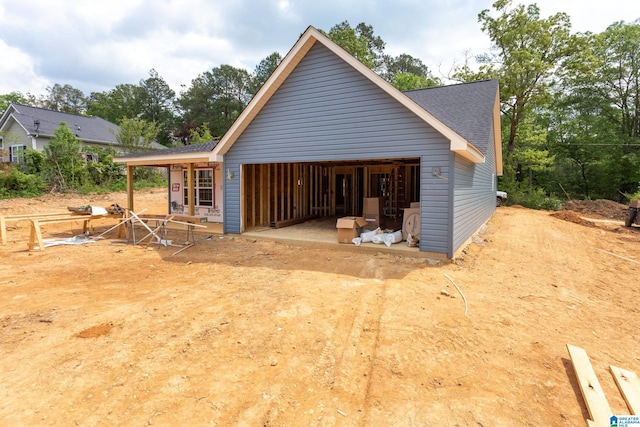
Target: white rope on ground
[(611, 253), (466, 306)]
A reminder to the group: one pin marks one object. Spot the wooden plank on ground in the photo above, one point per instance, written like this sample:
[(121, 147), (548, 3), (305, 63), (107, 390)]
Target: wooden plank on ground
[(596, 401), (629, 385)]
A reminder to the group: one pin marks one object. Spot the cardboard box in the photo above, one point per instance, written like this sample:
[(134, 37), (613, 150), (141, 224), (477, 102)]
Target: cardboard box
[(634, 204), (349, 227), (414, 205), (372, 206), (373, 221), (411, 223)]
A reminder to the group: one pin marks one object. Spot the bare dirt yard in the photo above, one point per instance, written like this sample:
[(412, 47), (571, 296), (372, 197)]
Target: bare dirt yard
[(238, 331)]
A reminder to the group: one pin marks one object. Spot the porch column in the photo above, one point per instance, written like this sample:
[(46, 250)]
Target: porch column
[(130, 187), (190, 201)]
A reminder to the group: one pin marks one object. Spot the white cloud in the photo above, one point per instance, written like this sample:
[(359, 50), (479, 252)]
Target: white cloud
[(95, 46), (18, 72)]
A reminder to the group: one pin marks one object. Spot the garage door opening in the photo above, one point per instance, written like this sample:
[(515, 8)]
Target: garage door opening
[(277, 195)]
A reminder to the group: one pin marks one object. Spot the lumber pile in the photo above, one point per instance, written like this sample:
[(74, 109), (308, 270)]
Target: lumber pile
[(599, 410)]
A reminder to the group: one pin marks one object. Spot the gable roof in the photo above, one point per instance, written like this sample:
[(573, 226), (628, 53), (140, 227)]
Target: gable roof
[(42, 122), (471, 109), (458, 142), (195, 153)]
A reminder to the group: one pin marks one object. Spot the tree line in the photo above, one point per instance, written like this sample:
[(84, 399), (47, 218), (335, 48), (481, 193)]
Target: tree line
[(570, 102)]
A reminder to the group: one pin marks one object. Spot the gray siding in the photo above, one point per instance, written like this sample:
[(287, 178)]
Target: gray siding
[(326, 110), (474, 196)]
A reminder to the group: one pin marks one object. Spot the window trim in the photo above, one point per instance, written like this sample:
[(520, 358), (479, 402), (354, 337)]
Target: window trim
[(20, 158), (197, 187)]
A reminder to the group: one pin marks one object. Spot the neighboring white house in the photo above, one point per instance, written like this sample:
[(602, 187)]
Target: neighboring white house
[(23, 127)]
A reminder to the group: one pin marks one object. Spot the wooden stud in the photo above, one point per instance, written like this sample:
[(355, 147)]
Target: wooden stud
[(129, 187), (276, 192), (629, 385), (596, 401), (190, 195)]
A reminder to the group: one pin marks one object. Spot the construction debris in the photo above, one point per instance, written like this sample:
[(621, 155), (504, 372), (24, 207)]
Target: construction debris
[(599, 410)]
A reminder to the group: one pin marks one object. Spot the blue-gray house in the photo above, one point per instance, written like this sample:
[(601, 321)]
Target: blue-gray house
[(325, 132)]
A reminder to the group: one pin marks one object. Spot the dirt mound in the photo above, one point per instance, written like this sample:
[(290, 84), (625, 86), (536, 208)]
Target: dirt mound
[(572, 217), (607, 209)]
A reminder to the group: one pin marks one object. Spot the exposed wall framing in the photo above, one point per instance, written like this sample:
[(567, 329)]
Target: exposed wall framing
[(282, 193)]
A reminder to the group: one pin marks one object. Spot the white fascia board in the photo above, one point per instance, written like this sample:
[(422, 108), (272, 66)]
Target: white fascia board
[(161, 160)]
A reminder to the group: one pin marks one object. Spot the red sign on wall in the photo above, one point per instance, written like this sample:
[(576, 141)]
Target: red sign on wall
[(175, 187)]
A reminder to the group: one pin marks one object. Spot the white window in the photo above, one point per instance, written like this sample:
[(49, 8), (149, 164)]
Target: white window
[(16, 153), (203, 186)]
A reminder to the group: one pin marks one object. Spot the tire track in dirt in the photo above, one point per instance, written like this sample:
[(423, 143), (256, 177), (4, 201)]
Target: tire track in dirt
[(346, 364)]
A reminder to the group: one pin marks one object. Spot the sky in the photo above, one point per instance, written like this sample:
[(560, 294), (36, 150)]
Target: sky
[(96, 45)]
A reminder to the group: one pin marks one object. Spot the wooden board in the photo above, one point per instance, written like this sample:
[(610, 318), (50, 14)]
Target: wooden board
[(35, 238), (629, 385), (596, 401), (4, 219)]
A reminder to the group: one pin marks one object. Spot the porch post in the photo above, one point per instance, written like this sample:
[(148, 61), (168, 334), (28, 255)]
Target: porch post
[(190, 201), (130, 187)]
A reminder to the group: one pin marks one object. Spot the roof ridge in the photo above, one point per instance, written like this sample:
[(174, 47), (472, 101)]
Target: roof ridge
[(50, 110)]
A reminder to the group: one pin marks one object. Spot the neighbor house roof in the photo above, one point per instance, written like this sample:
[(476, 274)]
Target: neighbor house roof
[(458, 142), (43, 122), (195, 153)]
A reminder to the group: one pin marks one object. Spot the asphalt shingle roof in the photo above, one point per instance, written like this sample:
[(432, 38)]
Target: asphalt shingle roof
[(86, 128), (466, 108), (183, 149)]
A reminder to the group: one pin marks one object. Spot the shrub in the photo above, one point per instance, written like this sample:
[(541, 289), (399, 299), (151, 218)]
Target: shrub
[(551, 204), (15, 183)]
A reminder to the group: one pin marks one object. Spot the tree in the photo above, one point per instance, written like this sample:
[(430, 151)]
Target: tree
[(360, 43), (200, 135), (13, 97), (155, 103), (597, 113), (410, 81), (527, 50), (63, 167), (66, 99), (116, 104), (136, 135), (263, 71), (216, 97)]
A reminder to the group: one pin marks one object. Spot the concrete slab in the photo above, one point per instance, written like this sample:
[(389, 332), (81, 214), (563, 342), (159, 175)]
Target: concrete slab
[(323, 232)]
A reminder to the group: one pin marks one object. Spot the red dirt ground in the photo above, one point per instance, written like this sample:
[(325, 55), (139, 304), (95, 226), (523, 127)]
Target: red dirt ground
[(252, 332)]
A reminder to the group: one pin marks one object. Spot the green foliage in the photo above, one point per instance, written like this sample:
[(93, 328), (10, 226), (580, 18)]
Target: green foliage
[(66, 99), (200, 135), (550, 204), (63, 167), (103, 172), (136, 135), (407, 81), (534, 198), (120, 103), (216, 97), (527, 49), (13, 97), (34, 162), (16, 183), (156, 105), (263, 71), (360, 43)]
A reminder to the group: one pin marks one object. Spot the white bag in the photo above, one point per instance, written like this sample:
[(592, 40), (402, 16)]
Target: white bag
[(378, 238), (390, 238), (367, 236)]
